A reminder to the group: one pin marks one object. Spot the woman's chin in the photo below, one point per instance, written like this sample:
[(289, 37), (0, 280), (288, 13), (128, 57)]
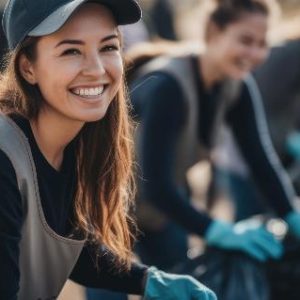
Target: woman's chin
[(238, 74), (88, 118)]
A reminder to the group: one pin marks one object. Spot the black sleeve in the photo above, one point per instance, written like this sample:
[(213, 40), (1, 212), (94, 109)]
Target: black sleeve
[(248, 122), (160, 106), (101, 272), (10, 230)]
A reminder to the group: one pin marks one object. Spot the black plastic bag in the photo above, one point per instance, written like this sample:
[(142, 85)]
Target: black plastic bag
[(231, 275), (284, 274)]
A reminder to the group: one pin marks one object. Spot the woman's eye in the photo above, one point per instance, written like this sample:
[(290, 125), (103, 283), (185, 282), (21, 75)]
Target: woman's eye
[(71, 52), (109, 48), (247, 41)]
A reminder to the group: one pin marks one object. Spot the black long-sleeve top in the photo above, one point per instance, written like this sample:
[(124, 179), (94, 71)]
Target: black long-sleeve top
[(278, 80), (57, 196), (159, 105)]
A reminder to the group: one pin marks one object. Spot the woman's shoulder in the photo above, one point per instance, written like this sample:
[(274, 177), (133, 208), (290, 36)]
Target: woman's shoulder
[(7, 171), (14, 144), (14, 124), (157, 83), (156, 90), (8, 151)]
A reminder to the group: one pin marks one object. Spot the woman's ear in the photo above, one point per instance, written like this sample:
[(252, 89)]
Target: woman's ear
[(26, 69)]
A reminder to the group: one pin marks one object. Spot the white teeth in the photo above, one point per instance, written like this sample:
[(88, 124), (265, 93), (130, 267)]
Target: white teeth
[(89, 91)]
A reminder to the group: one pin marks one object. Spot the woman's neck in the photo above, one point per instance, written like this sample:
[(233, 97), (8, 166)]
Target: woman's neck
[(209, 70), (53, 135)]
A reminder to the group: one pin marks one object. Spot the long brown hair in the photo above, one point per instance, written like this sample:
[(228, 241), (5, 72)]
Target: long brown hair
[(104, 160)]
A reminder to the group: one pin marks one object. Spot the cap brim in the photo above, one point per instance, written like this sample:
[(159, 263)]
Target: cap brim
[(124, 11)]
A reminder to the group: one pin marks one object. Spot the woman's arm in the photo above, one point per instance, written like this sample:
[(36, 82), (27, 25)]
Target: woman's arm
[(247, 120), (103, 273), (141, 280), (10, 230), (159, 105)]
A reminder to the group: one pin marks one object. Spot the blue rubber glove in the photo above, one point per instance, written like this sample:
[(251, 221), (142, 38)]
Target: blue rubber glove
[(248, 236), (166, 286), (293, 221), (293, 144)]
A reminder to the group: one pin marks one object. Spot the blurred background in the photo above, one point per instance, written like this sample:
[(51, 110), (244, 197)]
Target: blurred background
[(183, 20), (189, 17)]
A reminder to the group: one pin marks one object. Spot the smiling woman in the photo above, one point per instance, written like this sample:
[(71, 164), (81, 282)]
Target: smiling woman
[(65, 154)]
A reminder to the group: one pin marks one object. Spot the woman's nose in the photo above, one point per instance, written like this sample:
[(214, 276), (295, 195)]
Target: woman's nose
[(93, 66)]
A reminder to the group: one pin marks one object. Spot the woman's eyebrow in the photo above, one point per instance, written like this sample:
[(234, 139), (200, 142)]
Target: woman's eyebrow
[(73, 42), (80, 42), (110, 37)]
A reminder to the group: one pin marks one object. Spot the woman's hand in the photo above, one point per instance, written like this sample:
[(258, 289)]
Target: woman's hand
[(248, 236), (166, 286)]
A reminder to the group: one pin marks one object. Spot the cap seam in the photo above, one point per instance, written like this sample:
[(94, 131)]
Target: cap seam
[(4, 14)]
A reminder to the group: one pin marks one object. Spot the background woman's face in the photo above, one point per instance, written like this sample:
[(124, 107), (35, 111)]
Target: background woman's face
[(79, 68), (241, 46)]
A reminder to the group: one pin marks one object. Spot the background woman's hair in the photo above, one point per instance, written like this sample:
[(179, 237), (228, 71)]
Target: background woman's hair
[(229, 11), (104, 160)]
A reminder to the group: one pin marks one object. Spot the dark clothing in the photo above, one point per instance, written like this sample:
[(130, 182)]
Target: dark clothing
[(278, 80), (162, 20), (159, 106), (57, 190), (163, 247), (246, 198)]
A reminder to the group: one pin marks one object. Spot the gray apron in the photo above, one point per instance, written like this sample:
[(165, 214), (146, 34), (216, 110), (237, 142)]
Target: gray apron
[(46, 258)]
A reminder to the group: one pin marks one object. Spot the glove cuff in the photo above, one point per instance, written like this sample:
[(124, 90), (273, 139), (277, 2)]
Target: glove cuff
[(153, 275)]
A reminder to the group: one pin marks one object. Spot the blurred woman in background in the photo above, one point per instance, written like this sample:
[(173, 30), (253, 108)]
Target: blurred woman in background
[(278, 81), (181, 103)]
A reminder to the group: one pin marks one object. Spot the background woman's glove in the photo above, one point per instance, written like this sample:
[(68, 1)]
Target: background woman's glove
[(293, 144), (165, 286), (248, 236), (293, 221)]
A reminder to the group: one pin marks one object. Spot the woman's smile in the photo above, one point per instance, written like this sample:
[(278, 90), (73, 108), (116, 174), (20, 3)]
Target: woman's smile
[(89, 94)]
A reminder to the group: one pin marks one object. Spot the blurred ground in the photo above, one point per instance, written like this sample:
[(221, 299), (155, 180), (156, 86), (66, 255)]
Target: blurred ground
[(72, 291)]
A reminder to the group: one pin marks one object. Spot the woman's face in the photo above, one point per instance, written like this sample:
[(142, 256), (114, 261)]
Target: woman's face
[(240, 47), (78, 68)]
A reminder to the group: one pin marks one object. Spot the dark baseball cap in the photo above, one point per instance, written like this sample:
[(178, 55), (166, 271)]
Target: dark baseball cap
[(23, 18)]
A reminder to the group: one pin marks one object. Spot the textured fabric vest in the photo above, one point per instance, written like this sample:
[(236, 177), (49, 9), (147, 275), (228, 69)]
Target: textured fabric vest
[(46, 258), (189, 149)]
